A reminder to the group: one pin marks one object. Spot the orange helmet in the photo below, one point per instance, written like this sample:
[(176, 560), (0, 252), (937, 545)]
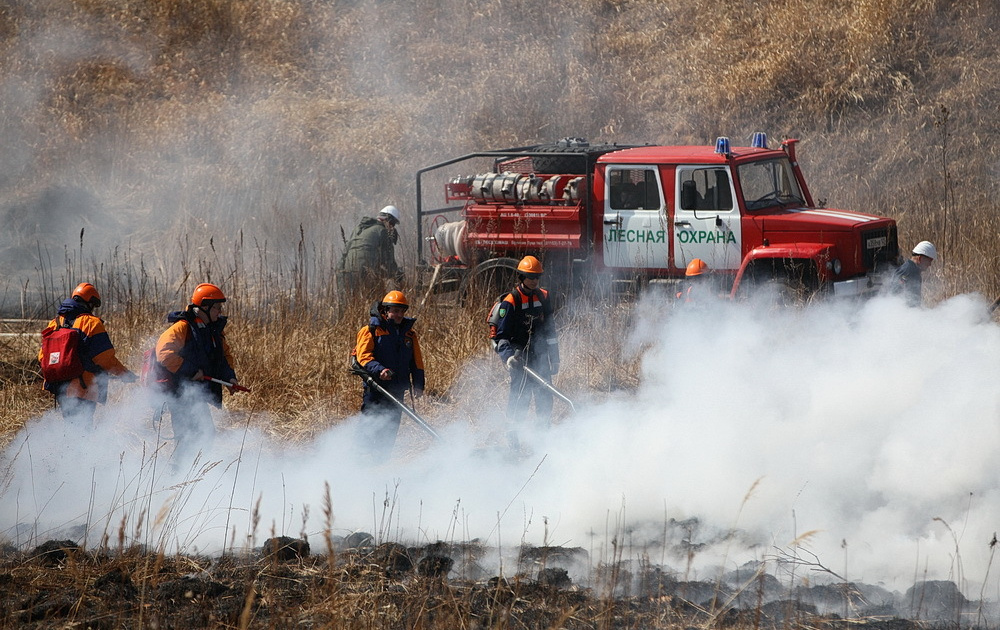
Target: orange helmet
[(206, 292), (529, 265), (395, 298), (695, 268), (87, 293)]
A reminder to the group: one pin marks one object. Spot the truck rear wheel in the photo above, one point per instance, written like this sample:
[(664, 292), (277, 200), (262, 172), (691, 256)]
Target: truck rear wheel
[(488, 280)]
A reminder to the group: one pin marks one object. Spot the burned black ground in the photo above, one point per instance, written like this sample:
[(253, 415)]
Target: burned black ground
[(283, 584)]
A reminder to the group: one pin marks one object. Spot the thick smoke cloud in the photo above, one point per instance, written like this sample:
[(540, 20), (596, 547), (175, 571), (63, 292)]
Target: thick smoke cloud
[(867, 432)]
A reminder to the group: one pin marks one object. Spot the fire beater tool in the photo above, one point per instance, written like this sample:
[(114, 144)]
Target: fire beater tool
[(547, 385), (359, 371)]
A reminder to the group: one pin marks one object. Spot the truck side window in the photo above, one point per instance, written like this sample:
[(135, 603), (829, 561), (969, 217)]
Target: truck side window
[(633, 189), (705, 189)]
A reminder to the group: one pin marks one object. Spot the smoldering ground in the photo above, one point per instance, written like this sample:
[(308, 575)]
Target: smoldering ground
[(856, 438)]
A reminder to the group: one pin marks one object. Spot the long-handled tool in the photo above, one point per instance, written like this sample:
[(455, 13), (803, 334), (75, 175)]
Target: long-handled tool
[(232, 386), (357, 370), (533, 374), (430, 287)]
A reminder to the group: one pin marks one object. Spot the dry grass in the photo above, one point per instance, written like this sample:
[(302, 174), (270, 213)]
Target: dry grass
[(348, 589), (151, 145), (294, 359), (160, 144), (195, 121)]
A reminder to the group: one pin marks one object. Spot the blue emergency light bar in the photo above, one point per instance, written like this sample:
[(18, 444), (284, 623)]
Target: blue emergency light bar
[(759, 140), (722, 146)]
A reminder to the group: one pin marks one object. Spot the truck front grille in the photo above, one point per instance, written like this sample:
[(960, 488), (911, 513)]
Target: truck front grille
[(879, 247)]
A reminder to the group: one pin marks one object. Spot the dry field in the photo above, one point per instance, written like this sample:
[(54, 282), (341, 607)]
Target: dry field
[(376, 587), (153, 144)]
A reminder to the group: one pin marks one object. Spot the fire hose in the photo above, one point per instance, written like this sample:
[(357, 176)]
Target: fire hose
[(547, 385), (369, 380)]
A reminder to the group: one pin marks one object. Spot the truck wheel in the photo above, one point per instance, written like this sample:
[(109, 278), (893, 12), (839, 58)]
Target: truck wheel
[(799, 284), (488, 280), (794, 282)]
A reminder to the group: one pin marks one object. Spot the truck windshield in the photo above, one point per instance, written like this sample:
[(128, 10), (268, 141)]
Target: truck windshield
[(769, 183)]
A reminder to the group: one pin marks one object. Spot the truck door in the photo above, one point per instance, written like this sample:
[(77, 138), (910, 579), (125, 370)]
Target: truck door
[(706, 222), (635, 224)]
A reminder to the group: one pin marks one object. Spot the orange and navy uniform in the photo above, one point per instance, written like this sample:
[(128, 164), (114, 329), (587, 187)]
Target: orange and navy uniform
[(96, 351), (190, 345), (525, 325), (382, 344)]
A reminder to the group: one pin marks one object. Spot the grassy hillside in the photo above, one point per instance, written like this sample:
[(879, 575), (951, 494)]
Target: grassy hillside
[(165, 129), (149, 145), (152, 145)]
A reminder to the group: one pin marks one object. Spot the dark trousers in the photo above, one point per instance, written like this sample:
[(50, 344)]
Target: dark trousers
[(523, 389), (367, 284), (193, 428), (380, 424), (78, 411)]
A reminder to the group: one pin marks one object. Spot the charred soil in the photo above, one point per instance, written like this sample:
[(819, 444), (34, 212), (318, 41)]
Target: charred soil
[(282, 584)]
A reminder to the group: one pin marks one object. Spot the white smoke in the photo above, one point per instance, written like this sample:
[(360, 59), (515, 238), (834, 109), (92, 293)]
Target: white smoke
[(870, 431)]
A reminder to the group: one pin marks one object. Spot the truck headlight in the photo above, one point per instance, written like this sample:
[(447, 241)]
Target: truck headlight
[(834, 266)]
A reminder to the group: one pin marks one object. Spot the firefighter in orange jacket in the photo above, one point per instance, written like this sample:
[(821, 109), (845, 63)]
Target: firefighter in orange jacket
[(78, 398), (526, 336), (388, 349), (192, 350), (695, 278)]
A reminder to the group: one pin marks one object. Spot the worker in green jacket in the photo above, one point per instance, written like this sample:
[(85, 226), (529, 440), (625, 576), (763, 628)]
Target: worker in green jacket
[(369, 262)]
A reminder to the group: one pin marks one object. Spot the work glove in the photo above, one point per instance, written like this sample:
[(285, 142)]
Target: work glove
[(514, 361), (129, 377)]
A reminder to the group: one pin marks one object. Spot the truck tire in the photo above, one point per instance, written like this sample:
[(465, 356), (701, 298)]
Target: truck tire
[(487, 280), (792, 282)]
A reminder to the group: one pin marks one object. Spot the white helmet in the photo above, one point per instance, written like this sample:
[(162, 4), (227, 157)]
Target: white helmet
[(390, 211), (925, 248)]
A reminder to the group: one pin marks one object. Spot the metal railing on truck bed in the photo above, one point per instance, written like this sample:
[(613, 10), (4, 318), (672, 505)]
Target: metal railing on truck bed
[(582, 157)]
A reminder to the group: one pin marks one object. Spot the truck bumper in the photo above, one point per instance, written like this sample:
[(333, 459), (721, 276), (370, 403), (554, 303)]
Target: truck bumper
[(855, 287)]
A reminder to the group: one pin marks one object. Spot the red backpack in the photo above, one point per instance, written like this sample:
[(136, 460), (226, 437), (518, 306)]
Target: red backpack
[(61, 359)]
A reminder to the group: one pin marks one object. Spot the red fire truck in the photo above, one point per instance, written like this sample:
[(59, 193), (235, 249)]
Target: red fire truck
[(604, 214)]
